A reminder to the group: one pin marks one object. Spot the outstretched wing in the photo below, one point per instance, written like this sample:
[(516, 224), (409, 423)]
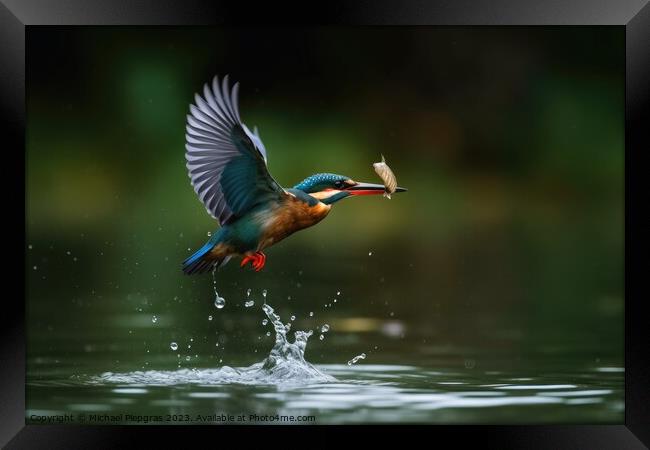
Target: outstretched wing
[(226, 162)]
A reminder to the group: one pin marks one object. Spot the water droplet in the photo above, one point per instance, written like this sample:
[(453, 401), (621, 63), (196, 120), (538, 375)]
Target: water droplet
[(325, 328), (249, 303), (248, 293), (209, 233), (265, 321), (187, 358), (189, 346), (173, 346), (321, 337), (356, 358), (311, 313), (338, 292), (209, 317), (369, 253), (293, 318), (191, 339), (219, 302), (268, 333), (154, 319)]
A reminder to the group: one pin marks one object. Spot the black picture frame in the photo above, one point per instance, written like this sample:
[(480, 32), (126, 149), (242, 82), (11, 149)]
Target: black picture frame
[(16, 18)]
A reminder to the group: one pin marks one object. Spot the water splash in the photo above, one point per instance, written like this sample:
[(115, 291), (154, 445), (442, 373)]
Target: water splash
[(285, 364)]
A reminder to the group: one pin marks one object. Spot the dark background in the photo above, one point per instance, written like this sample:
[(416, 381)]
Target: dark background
[(507, 249)]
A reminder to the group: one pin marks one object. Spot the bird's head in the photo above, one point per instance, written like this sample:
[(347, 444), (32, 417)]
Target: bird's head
[(329, 188)]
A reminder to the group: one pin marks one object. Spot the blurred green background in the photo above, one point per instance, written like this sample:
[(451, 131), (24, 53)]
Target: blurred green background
[(507, 249)]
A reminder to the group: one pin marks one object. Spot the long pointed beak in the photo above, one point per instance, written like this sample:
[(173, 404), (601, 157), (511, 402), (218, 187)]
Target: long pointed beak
[(370, 189)]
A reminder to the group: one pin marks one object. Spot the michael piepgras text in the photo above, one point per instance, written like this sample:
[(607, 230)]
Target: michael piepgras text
[(99, 418)]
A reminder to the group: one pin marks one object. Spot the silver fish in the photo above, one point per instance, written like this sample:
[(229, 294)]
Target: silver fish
[(387, 176)]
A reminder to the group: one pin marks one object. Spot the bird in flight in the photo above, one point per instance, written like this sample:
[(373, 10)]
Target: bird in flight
[(227, 166)]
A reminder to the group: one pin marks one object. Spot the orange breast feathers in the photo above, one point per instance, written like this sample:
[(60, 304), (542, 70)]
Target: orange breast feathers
[(290, 216)]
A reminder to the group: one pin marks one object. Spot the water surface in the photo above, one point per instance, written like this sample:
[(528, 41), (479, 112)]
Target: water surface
[(286, 388), (360, 394)]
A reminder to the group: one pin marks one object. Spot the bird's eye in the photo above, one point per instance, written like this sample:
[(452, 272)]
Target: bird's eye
[(338, 184)]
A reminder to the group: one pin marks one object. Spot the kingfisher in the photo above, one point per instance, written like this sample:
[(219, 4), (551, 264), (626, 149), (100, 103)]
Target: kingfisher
[(227, 166)]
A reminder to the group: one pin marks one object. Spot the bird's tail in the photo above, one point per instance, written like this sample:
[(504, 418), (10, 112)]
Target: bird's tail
[(201, 261)]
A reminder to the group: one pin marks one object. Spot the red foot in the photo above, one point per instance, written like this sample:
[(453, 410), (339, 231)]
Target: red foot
[(257, 260)]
